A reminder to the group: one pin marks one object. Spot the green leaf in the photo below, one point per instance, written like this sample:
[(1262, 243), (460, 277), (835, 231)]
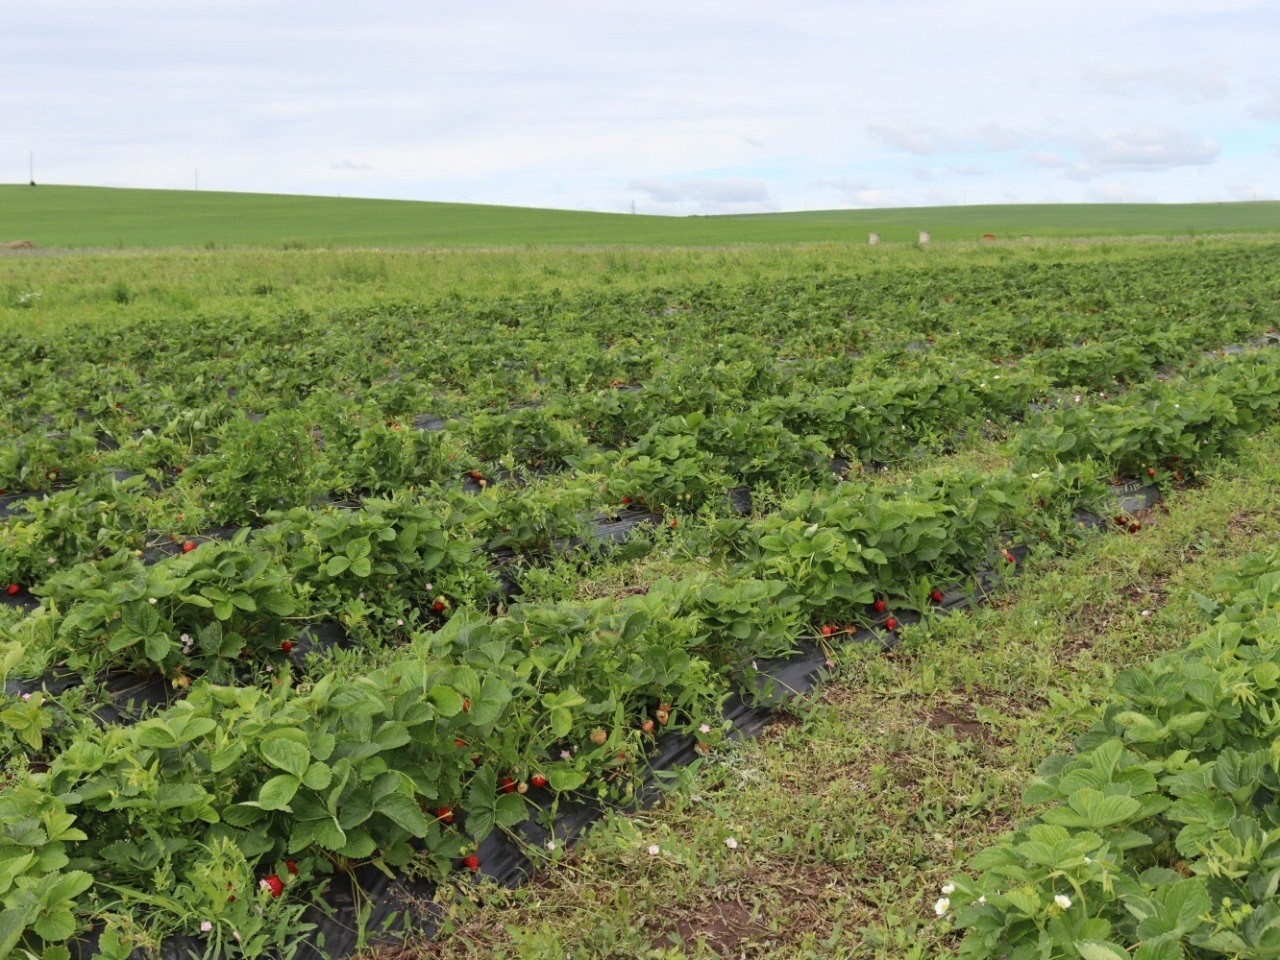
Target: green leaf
[(318, 776), (278, 791), (566, 778), (404, 812), (336, 566), (510, 810), (286, 754), (157, 647), (448, 702), (1100, 950)]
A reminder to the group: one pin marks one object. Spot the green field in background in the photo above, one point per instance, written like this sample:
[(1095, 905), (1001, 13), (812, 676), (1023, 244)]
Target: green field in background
[(101, 217)]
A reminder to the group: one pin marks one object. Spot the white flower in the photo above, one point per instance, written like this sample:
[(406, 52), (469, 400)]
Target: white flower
[(185, 638), (731, 843), (983, 898), (153, 600), (52, 561), (949, 889), (565, 755), (942, 906), (1062, 900), (399, 623), (704, 728), (205, 926), (26, 696), (654, 849), (551, 845)]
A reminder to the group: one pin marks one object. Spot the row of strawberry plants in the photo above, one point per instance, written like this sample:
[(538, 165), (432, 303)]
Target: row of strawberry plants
[(681, 463), (935, 527), (186, 396), (1159, 837), (385, 562), (515, 350)]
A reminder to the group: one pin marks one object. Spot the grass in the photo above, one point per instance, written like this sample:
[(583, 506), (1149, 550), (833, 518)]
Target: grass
[(100, 217), (850, 812)]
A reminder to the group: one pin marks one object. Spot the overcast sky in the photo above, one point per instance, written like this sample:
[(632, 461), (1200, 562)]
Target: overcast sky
[(692, 106)]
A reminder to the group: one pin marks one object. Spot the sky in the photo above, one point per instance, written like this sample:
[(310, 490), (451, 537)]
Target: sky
[(692, 107)]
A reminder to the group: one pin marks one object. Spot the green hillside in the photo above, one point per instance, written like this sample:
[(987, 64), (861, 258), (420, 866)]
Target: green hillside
[(63, 216)]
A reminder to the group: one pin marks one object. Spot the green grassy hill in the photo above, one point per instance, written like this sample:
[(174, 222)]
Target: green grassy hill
[(62, 216)]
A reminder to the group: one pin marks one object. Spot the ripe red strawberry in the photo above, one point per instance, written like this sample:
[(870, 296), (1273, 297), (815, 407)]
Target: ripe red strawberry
[(466, 704), (471, 862), (826, 630), (459, 742), (445, 814), (538, 780), (292, 867), (626, 501), (273, 883), (188, 546), (475, 475), (936, 595), (286, 646), (13, 590), (438, 606), (1151, 471), (508, 785), (674, 523), (891, 624), (476, 760), (1008, 557), (878, 606)]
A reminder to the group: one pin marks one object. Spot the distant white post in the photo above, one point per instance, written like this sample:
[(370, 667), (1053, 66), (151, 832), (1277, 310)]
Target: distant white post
[(873, 239), (924, 237)]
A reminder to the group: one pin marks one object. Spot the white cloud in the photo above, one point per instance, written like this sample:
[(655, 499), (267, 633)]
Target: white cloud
[(1118, 192), (705, 194), (1268, 108), (1148, 148)]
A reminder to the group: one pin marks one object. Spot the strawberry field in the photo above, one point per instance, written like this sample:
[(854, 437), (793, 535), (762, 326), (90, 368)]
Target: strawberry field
[(405, 578)]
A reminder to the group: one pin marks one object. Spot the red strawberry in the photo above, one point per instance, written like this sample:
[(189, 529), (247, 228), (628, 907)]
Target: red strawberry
[(188, 546), (466, 704), (626, 501), (891, 624), (471, 862), (508, 785), (292, 867), (272, 883), (476, 475), (538, 780), (438, 606), (445, 814), (477, 760), (1151, 471), (936, 595), (878, 606), (674, 523), (13, 590), (647, 726), (1008, 557), (826, 630), (286, 646), (459, 742)]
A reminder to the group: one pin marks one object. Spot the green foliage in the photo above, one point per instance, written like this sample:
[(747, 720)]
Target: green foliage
[(1161, 836)]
